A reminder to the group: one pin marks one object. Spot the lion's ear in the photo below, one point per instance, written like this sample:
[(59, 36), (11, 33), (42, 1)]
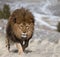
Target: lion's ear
[(14, 20)]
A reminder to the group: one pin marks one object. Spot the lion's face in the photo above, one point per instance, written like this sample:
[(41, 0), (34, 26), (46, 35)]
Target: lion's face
[(22, 22), (23, 30)]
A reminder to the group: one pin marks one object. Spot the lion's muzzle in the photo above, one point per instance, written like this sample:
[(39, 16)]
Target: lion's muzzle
[(24, 35)]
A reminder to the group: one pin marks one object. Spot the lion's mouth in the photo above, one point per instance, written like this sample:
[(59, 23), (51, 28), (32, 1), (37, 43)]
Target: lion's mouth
[(24, 35)]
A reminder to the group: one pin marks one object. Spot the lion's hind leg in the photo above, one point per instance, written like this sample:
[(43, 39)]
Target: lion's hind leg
[(8, 44)]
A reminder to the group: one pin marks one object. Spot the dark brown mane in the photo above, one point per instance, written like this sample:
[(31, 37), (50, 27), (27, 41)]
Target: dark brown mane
[(23, 15)]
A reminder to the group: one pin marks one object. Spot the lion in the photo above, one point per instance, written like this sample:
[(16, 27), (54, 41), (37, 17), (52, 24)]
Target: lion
[(20, 28)]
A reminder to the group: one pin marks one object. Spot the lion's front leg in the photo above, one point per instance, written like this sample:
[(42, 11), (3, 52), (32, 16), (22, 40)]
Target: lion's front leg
[(26, 44), (20, 49)]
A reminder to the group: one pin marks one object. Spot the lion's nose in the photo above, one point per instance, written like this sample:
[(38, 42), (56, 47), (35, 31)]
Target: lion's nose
[(24, 35)]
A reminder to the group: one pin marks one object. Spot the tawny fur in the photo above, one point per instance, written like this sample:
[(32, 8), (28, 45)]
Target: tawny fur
[(20, 21)]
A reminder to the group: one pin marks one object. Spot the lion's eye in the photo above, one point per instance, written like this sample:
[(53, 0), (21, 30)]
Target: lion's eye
[(21, 26)]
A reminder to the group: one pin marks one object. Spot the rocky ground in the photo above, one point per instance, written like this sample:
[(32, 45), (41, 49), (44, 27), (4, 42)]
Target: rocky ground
[(44, 43)]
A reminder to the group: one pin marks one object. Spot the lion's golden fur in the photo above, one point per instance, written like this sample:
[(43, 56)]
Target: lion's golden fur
[(20, 21)]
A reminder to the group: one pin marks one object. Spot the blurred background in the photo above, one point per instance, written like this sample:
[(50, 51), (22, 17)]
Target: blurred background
[(47, 26), (48, 11)]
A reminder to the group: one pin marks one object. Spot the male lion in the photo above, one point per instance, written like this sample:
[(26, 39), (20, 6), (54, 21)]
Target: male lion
[(20, 28)]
